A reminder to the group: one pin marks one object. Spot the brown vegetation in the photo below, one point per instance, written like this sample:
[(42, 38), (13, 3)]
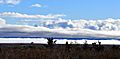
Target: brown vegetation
[(69, 51)]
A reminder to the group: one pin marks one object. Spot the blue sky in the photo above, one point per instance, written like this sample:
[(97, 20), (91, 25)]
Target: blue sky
[(73, 9), (14, 15)]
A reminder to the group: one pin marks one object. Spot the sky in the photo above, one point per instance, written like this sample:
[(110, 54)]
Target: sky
[(60, 16), (73, 9)]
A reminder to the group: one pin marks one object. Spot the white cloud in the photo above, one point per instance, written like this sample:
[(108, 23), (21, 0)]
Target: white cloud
[(19, 15), (60, 28), (2, 22), (99, 25), (36, 5), (30, 31), (10, 2)]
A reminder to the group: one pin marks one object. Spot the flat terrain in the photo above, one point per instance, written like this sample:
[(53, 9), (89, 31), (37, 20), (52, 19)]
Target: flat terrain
[(59, 51)]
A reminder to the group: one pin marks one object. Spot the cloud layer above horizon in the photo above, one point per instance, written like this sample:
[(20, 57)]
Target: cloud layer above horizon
[(100, 25), (59, 27)]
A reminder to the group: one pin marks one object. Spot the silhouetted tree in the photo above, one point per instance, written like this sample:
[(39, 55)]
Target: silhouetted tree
[(85, 45), (94, 44), (50, 41), (97, 47), (100, 47), (32, 42), (67, 47), (66, 42), (55, 41)]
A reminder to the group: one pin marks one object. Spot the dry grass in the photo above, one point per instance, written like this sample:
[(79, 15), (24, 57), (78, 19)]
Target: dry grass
[(57, 52)]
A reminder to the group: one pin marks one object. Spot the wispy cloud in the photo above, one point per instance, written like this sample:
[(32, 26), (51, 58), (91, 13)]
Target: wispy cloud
[(36, 5), (19, 15), (14, 2)]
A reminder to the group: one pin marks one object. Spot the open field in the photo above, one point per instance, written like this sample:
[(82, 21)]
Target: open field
[(58, 51)]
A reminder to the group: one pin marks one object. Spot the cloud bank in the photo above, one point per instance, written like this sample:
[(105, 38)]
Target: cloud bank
[(58, 27), (71, 30), (99, 25)]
